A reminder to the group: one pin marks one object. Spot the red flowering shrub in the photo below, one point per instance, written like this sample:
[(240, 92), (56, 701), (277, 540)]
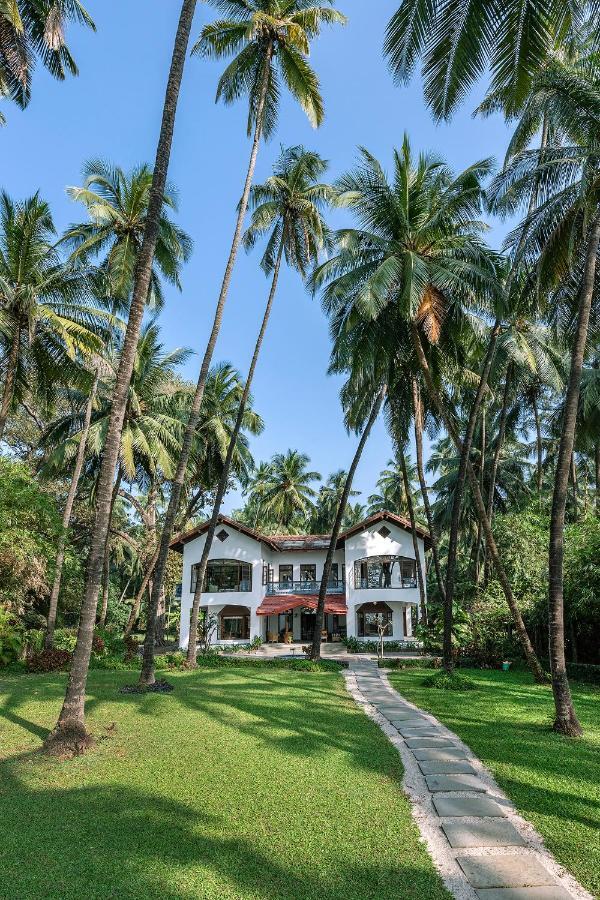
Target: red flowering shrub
[(50, 661), (97, 645)]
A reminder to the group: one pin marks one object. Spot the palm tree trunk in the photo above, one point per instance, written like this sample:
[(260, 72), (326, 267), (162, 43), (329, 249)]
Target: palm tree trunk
[(566, 721), (464, 450), (315, 652), (415, 542), (186, 446), (499, 445), (137, 603), (106, 560), (538, 446), (418, 415), (62, 540), (10, 379), (70, 728), (528, 651), (147, 670)]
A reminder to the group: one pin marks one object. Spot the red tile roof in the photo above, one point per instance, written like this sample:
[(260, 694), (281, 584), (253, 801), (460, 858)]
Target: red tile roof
[(272, 606)]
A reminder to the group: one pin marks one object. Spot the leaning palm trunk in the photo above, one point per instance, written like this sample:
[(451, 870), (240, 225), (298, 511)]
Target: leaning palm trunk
[(418, 417), (194, 416), (566, 721), (10, 379), (499, 446), (60, 553), (465, 452), (70, 730), (528, 651), (147, 675), (415, 542), (137, 603), (315, 652)]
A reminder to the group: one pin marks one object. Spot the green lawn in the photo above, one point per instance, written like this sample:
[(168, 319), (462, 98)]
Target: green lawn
[(240, 784), (553, 781)]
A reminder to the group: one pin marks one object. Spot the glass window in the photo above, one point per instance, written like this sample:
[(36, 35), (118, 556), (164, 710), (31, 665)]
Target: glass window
[(235, 627), (335, 574), (377, 572), (268, 575), (286, 574), (371, 617), (223, 575), (308, 573)]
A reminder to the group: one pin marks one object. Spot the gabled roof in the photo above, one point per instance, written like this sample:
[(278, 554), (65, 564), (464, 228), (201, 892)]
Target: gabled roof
[(288, 542)]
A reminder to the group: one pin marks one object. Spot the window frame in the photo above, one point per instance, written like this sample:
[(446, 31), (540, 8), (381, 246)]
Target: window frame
[(362, 613), (244, 576), (286, 566), (361, 572)]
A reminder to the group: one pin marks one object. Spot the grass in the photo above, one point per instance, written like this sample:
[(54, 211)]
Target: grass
[(242, 783), (553, 781)]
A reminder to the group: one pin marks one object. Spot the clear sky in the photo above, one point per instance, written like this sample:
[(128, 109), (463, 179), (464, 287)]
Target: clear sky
[(112, 110)]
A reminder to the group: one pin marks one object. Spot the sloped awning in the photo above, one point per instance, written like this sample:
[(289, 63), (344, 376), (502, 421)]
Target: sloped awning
[(272, 606)]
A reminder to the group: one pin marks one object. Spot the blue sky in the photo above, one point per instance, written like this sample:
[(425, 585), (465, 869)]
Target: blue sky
[(112, 110)]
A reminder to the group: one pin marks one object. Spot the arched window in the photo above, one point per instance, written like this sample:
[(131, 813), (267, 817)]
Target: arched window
[(384, 572), (372, 617), (234, 624), (224, 576)]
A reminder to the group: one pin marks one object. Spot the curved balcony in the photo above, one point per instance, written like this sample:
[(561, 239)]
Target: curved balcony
[(381, 573)]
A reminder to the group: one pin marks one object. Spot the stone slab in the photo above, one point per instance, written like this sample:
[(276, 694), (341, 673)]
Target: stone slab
[(465, 806), (419, 731), (418, 743), (483, 833), (556, 892), (439, 755), (456, 783), (449, 767), (504, 871)]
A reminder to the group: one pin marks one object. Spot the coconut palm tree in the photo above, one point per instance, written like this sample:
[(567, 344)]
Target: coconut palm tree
[(392, 493), (288, 207), (30, 29), (561, 236), (270, 41), (70, 731), (287, 491), (460, 41), (117, 205), (328, 501), (46, 316)]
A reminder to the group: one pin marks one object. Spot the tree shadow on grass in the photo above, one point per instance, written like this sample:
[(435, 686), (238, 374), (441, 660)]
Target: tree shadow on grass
[(118, 841)]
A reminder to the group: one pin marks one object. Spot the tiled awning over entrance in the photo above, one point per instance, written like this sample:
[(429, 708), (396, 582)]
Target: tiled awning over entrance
[(272, 606)]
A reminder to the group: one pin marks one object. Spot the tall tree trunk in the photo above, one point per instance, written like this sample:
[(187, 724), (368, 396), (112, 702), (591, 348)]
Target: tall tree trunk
[(70, 729), (483, 452), (528, 651), (10, 378), (597, 468), (315, 652), (147, 670), (159, 625), (418, 416), (137, 603), (575, 485), (66, 521), (186, 447), (415, 542), (538, 446), (106, 560), (566, 721), (464, 450), (499, 444)]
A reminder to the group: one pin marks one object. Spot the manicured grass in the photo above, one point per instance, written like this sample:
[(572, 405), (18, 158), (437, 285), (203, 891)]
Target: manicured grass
[(240, 784), (553, 781)]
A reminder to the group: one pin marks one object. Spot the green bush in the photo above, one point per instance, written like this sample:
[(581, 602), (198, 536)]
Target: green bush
[(50, 661), (12, 638), (353, 645), (171, 661), (301, 665), (423, 663), (447, 681), (584, 672)]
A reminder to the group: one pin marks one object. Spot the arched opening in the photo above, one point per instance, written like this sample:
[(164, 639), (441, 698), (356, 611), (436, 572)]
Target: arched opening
[(373, 616), (234, 624), (384, 573)]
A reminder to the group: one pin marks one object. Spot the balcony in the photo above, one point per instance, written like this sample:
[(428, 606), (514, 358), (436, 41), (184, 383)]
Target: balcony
[(281, 588)]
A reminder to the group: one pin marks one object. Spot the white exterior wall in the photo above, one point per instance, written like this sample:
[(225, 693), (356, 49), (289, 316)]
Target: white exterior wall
[(371, 543)]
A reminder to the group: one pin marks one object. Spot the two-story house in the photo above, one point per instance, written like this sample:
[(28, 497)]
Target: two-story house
[(267, 586)]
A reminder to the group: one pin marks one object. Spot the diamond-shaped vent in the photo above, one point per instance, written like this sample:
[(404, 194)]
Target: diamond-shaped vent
[(384, 532), (222, 535)]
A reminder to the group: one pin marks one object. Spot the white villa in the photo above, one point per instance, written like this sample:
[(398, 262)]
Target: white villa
[(267, 586)]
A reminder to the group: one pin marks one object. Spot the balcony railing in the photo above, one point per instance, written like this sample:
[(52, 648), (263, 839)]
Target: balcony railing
[(304, 587)]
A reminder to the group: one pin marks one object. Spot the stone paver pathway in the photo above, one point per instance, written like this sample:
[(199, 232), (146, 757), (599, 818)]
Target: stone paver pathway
[(481, 846)]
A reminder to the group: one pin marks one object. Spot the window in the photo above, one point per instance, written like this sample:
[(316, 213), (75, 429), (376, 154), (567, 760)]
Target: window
[(334, 576), (286, 574), (268, 575), (222, 535), (234, 624), (224, 575), (371, 616), (384, 531), (377, 572), (308, 573)]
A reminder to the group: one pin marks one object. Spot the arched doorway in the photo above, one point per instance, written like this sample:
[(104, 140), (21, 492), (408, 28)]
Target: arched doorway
[(234, 624)]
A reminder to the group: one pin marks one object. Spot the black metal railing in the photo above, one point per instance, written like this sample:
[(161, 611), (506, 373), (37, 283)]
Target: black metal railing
[(335, 586)]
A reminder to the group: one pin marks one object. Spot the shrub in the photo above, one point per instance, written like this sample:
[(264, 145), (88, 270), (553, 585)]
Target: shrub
[(423, 663), (34, 641), (447, 681), (212, 661), (65, 639), (171, 661), (50, 661), (12, 640), (354, 645)]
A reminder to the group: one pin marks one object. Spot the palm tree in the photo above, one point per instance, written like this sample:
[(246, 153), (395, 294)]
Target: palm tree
[(392, 491), (45, 313), (29, 29), (328, 501), (117, 204), (70, 729), (269, 40), (287, 492), (460, 41), (289, 208), (562, 237), (419, 250)]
